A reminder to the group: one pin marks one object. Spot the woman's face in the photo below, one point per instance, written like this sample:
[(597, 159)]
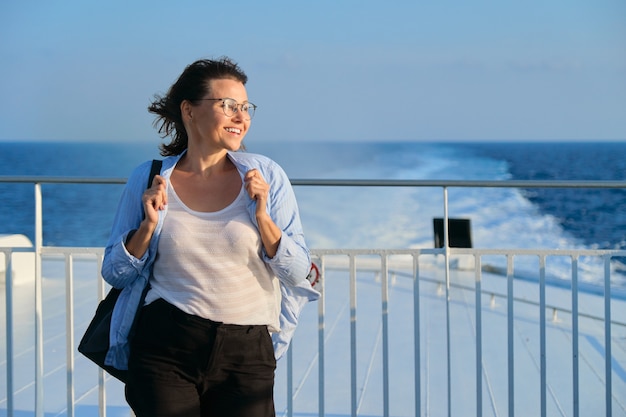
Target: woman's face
[(208, 122)]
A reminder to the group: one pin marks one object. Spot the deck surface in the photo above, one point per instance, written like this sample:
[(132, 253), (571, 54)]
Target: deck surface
[(367, 394)]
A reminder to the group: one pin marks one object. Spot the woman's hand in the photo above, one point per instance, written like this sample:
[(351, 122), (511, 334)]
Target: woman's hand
[(154, 200), (258, 190)]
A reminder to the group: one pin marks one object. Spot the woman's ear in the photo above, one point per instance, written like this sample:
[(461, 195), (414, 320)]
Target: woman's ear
[(186, 110)]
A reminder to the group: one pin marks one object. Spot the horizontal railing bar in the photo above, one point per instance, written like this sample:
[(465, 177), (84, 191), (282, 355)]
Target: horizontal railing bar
[(364, 252), (60, 180), (95, 251), (356, 182), (64, 250), (470, 288), (501, 295), (98, 251), (618, 293), (460, 183), (476, 251), (547, 252)]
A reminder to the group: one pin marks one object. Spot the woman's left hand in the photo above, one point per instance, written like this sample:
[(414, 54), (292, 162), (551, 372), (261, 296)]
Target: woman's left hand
[(257, 189)]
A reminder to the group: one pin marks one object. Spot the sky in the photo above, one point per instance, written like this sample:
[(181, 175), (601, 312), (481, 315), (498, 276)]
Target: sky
[(446, 70)]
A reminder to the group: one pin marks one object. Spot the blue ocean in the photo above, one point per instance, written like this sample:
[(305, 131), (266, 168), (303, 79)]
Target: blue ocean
[(355, 217)]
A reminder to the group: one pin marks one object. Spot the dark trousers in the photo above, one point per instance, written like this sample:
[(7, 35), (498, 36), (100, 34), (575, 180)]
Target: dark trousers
[(185, 366)]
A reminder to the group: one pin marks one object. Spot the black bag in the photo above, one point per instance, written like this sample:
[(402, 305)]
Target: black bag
[(95, 342)]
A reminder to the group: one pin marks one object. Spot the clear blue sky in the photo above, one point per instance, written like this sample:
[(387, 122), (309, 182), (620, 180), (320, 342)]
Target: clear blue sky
[(322, 70)]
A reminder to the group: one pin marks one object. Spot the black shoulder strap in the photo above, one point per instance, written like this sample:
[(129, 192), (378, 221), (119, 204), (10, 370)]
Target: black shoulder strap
[(156, 169)]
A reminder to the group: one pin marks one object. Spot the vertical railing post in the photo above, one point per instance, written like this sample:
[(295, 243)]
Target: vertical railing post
[(102, 395), (446, 246), (320, 339), (69, 331), (510, 334), (416, 336), (385, 320), (575, 383), (39, 412), (542, 334), (353, 362), (290, 380), (607, 336), (8, 261), (479, 337)]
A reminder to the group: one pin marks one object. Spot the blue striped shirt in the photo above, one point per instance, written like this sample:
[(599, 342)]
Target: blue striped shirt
[(291, 264)]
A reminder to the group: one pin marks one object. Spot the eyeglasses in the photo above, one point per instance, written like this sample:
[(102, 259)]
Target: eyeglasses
[(230, 107)]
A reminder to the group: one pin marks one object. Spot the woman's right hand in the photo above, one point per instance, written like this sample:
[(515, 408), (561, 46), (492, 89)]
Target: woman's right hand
[(154, 200)]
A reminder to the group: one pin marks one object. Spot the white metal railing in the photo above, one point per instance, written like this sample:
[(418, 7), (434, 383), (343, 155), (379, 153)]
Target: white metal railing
[(508, 295), (386, 267)]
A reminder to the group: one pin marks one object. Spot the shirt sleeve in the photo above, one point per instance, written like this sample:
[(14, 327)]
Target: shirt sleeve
[(294, 298), (292, 261)]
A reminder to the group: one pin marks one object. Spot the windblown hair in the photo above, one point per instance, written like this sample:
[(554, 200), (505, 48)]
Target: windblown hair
[(192, 85)]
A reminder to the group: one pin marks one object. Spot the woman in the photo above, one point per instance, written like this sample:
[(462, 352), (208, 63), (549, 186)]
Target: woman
[(218, 237)]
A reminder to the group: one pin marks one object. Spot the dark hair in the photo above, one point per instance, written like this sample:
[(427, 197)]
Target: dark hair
[(191, 85)]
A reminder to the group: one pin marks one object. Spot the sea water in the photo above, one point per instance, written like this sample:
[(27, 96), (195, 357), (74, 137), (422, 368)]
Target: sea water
[(357, 217)]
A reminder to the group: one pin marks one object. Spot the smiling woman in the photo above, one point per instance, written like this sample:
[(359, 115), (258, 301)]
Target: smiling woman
[(214, 256)]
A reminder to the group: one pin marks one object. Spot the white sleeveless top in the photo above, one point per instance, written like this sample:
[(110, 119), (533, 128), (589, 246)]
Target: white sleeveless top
[(209, 264)]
